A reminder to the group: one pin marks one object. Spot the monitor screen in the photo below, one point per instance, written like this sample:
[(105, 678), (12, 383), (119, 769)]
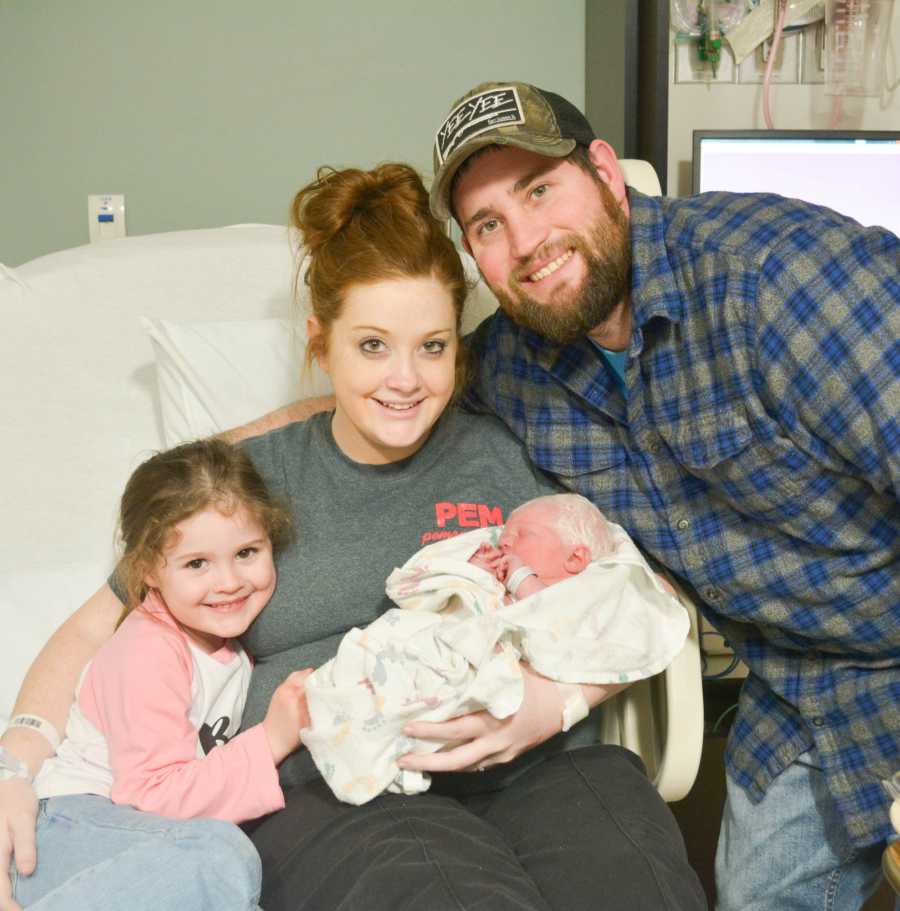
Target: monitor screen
[(855, 173)]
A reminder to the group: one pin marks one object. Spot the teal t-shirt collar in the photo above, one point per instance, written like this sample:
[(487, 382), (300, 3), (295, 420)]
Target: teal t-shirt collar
[(615, 361)]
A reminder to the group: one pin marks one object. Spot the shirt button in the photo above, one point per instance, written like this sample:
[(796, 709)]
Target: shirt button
[(682, 524), (655, 447), (818, 721), (712, 594)]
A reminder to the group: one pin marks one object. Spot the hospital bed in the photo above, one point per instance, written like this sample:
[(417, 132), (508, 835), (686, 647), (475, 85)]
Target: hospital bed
[(113, 350)]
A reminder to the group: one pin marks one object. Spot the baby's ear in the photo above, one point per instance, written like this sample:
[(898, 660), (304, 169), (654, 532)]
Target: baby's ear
[(578, 560)]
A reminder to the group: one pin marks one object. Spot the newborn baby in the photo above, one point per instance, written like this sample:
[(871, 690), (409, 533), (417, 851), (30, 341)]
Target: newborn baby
[(545, 541), (587, 609)]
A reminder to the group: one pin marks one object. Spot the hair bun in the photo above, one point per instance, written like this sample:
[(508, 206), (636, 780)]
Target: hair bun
[(363, 227), (338, 201)]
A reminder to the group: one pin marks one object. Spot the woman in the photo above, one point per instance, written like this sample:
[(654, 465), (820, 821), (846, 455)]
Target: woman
[(526, 821)]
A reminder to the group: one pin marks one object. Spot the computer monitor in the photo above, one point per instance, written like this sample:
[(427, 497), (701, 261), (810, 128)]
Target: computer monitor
[(853, 172)]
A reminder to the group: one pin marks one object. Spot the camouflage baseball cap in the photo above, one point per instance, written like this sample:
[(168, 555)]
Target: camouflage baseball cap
[(503, 113)]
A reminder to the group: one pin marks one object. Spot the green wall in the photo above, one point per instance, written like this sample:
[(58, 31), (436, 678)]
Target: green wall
[(213, 112), (605, 80)]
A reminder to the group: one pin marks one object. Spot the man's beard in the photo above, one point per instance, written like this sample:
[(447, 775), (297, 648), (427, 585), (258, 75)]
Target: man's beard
[(606, 249)]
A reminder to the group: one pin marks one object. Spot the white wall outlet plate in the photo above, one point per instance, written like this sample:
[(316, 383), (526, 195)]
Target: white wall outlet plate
[(106, 216)]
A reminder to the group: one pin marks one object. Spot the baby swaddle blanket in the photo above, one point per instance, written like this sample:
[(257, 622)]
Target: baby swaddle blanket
[(453, 647)]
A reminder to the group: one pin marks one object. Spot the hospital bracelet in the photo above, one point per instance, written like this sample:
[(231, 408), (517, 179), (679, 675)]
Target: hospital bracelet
[(13, 767), (39, 726), (517, 577), (575, 706)]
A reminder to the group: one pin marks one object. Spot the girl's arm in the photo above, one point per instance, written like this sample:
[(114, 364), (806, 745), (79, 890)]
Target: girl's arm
[(138, 693)]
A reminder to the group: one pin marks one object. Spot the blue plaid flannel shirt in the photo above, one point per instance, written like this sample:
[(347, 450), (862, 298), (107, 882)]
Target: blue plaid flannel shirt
[(756, 454)]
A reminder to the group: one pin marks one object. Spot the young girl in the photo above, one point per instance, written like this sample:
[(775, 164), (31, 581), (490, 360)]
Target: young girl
[(154, 726)]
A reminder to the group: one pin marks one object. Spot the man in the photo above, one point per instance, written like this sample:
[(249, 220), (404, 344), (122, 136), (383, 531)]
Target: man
[(721, 375)]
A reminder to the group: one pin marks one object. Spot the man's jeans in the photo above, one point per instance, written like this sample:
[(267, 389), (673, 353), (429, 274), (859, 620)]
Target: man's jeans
[(95, 854), (790, 850)]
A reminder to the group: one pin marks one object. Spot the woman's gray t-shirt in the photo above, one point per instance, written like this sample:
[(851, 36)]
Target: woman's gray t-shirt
[(354, 523)]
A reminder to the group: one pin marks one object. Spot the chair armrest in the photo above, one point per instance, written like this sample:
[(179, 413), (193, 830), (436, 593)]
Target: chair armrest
[(661, 719), (640, 175), (683, 685)]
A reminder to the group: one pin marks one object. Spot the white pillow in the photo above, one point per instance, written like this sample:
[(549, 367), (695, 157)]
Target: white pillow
[(481, 302), (212, 376)]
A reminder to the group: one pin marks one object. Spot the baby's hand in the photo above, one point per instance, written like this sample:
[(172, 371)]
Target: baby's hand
[(507, 565), (524, 588), (287, 714), (486, 557)]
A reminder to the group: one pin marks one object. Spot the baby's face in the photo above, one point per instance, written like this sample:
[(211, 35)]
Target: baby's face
[(530, 535)]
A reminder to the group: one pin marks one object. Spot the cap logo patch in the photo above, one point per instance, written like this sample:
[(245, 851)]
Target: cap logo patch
[(476, 115)]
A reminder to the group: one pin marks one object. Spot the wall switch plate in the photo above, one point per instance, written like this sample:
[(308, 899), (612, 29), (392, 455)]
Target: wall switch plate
[(106, 216)]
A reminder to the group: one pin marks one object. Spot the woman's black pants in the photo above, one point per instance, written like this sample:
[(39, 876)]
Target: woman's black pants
[(580, 830)]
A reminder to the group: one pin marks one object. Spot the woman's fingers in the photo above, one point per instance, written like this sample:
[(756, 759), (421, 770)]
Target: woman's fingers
[(489, 740), (465, 727), (18, 815), (6, 901), (466, 758), (20, 805), (471, 734)]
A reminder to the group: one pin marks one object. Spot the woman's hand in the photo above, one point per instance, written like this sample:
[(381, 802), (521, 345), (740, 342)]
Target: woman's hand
[(18, 817), (485, 741), (287, 715)]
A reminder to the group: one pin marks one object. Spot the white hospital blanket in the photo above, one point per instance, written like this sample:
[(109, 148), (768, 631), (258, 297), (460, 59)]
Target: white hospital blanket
[(453, 647)]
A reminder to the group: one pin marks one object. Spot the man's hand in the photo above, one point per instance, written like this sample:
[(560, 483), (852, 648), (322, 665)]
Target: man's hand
[(18, 817), (485, 741)]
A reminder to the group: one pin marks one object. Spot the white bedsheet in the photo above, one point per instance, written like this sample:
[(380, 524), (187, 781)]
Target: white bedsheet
[(78, 403)]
